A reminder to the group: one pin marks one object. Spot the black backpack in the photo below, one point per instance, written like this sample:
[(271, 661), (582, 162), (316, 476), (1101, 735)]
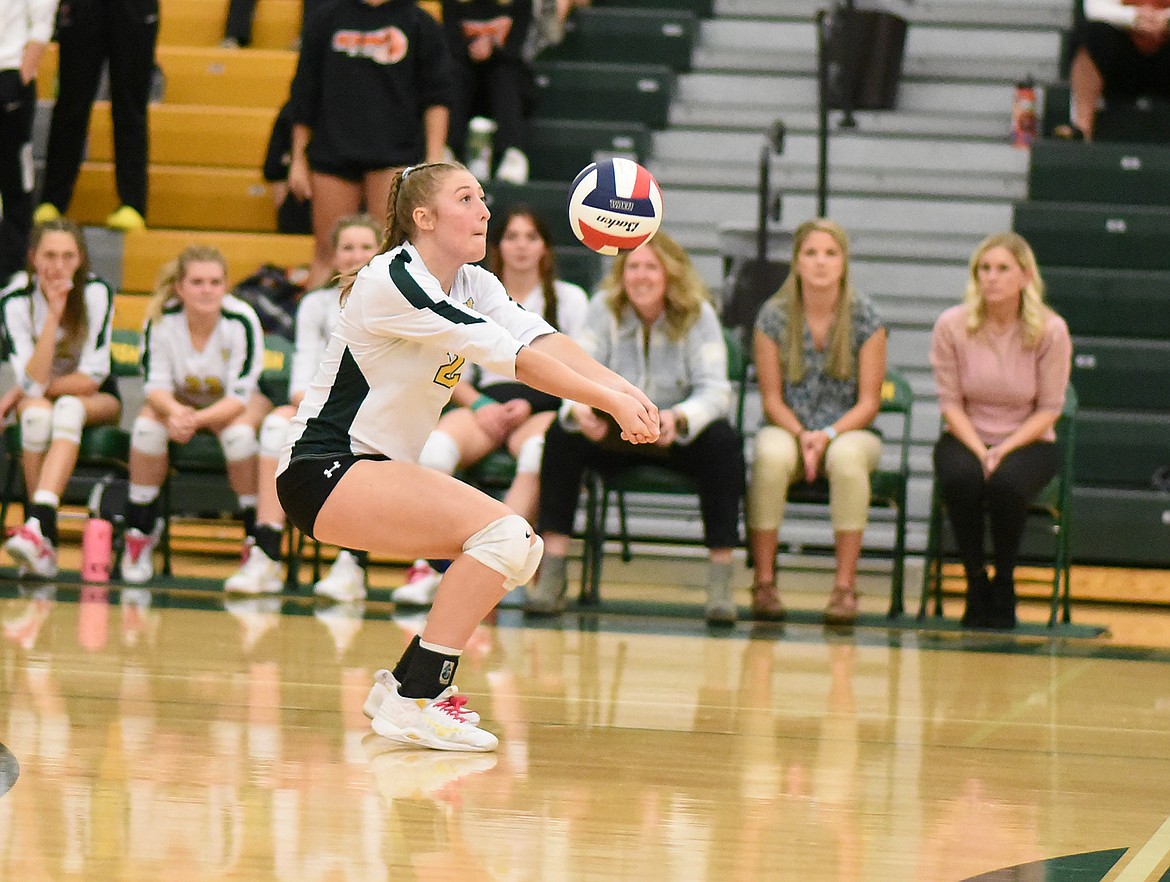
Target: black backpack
[(274, 296)]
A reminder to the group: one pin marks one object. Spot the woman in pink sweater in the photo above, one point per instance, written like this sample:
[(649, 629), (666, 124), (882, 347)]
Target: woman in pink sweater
[(1001, 362)]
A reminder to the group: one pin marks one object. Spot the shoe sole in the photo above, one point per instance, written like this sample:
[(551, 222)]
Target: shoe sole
[(422, 739)]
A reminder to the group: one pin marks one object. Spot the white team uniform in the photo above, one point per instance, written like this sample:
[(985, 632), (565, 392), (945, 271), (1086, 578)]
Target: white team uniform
[(229, 365), (317, 316), (572, 305), (24, 309), (396, 353)]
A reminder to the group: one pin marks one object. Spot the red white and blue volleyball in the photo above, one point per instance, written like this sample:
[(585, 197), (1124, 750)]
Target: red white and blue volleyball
[(614, 205)]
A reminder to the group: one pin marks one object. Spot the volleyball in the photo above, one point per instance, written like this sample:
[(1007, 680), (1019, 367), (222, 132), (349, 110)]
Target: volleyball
[(614, 205)]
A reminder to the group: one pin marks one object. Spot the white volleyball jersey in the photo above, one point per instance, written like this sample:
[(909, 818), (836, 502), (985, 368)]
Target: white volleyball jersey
[(397, 351), (228, 365), (24, 309), (317, 316), (572, 304)]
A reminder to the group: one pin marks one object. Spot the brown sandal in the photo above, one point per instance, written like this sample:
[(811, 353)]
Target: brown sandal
[(842, 608), (766, 605)]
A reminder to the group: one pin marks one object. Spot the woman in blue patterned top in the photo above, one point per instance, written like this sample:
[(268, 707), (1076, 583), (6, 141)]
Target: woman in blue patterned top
[(820, 354)]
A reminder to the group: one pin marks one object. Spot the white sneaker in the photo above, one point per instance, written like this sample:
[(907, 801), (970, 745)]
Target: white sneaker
[(513, 167), (422, 581), (138, 556), (260, 574), (29, 548), (346, 581), (384, 685), (439, 723)]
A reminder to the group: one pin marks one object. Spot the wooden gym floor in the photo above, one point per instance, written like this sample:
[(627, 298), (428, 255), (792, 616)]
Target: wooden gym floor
[(170, 733)]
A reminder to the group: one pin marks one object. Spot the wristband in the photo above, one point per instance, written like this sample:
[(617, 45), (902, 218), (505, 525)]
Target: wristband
[(831, 432), (482, 401)]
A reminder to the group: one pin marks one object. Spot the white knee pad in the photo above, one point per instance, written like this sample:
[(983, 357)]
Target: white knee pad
[(506, 545), (529, 456), (35, 425), (239, 443), (273, 431), (440, 453), (149, 437), (68, 418)]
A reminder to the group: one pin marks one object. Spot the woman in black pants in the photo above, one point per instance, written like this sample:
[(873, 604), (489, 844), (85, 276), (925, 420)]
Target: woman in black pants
[(652, 324), (122, 33), (1001, 361)]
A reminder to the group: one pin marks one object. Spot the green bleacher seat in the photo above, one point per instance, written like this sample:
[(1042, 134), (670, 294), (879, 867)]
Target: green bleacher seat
[(1120, 527), (560, 148), (1146, 122), (701, 8), (1111, 303), (1121, 449), (579, 265), (653, 36), (1116, 374), (603, 91), (1072, 234), (547, 198), (1113, 174)]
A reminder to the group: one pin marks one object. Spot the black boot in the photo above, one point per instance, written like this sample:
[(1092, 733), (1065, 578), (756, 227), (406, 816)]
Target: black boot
[(1002, 611), (977, 613)]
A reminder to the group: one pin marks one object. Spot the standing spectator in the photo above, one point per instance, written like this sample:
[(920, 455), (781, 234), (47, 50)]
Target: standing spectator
[(1122, 51), (653, 325), (202, 352), (1001, 361), (91, 33), (293, 214), (487, 38), (26, 27), (57, 339), (371, 92), (820, 352)]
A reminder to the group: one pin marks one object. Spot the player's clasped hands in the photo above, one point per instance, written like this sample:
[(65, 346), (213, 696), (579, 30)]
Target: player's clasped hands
[(638, 418)]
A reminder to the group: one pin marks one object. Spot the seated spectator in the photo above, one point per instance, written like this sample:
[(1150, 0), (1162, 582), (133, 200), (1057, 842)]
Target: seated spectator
[(820, 355), (202, 352), (486, 39), (496, 412), (356, 240), (1121, 51), (56, 327), (371, 93), (655, 326), (1001, 361)]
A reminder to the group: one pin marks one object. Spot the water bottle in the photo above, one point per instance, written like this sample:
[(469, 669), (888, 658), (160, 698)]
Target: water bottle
[(479, 146), (1024, 114), (97, 540)]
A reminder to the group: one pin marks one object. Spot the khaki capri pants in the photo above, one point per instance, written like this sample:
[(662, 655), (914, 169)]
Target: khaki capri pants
[(849, 461)]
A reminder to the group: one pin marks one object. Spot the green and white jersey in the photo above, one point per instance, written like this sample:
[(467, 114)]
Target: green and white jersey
[(398, 349), (317, 316), (228, 365)]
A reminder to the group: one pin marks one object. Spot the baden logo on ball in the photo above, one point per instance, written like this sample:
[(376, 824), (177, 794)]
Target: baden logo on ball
[(614, 205)]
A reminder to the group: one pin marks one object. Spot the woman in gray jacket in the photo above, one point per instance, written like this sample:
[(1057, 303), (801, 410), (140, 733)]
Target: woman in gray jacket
[(653, 324)]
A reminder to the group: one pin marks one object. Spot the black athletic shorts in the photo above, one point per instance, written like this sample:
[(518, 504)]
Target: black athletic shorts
[(1126, 70), (303, 487)]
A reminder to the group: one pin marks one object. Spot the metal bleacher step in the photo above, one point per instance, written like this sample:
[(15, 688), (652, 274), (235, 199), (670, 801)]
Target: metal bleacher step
[(1033, 14)]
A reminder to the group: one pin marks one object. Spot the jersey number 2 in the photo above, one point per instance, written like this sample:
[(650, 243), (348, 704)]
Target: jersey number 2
[(448, 374)]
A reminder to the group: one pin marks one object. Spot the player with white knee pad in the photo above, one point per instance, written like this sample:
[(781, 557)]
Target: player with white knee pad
[(499, 413), (203, 351), (416, 317), (56, 325)]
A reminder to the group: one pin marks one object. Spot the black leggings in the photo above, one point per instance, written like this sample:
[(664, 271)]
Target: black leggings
[(1004, 496), (713, 460)]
